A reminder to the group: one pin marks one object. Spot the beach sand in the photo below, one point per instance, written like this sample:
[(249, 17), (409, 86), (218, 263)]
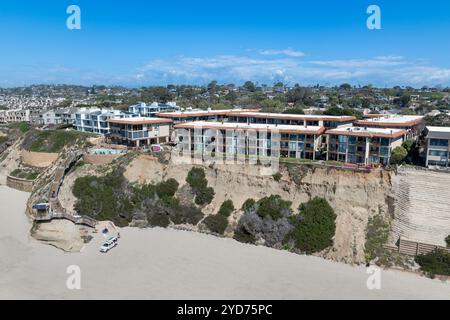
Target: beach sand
[(169, 264)]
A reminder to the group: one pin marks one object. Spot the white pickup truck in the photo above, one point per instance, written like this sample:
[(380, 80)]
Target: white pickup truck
[(109, 244)]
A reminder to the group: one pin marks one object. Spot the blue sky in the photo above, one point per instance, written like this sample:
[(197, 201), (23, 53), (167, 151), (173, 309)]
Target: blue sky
[(136, 43)]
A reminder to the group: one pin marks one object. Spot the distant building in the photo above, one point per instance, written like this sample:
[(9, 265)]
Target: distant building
[(145, 110), (254, 139), (96, 120), (15, 116), (139, 132), (413, 125), (438, 143), (363, 146)]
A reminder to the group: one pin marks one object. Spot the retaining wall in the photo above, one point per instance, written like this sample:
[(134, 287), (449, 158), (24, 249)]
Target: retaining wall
[(19, 184)]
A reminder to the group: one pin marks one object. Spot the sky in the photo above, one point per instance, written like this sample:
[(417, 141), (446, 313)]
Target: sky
[(140, 43)]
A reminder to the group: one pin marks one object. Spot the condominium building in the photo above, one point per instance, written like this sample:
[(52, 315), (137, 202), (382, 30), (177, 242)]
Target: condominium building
[(413, 125), (96, 120), (363, 146), (238, 139), (199, 115), (328, 122), (59, 116), (438, 146), (15, 116), (139, 132), (152, 110)]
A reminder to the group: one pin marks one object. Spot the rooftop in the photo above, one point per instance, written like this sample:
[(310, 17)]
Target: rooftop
[(439, 129), (283, 116), (368, 132), (199, 113), (438, 132), (242, 126), (393, 120), (139, 120)]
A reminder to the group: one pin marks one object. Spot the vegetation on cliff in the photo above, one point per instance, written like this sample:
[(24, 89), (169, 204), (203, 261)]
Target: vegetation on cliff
[(218, 223), (272, 221), (314, 227), (53, 141), (111, 197), (435, 263), (197, 180)]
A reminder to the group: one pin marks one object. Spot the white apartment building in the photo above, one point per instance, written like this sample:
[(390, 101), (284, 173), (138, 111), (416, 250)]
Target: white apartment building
[(96, 120), (151, 110), (438, 146), (59, 116), (363, 146), (15, 116)]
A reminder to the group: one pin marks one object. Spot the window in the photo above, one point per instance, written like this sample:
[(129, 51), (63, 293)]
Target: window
[(438, 142), (293, 146), (436, 153)]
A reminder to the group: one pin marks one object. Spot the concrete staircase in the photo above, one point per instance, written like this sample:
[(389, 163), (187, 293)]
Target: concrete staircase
[(422, 206)]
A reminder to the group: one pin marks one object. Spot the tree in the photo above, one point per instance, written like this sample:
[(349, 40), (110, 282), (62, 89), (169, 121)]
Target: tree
[(315, 227), (398, 155), (345, 86), (294, 111), (249, 86), (274, 207), (212, 86), (197, 180), (335, 111), (272, 106)]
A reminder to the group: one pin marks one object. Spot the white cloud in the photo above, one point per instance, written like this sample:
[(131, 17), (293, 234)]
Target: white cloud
[(286, 52), (382, 70), (386, 70)]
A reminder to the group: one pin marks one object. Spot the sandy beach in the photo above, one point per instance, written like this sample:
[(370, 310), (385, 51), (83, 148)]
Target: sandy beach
[(169, 264)]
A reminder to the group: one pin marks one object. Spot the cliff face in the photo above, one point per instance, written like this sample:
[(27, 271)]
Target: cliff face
[(355, 196)]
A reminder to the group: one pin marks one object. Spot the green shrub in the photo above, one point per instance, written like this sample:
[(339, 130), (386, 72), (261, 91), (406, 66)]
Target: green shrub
[(226, 209), (204, 196), (167, 188), (315, 227), (24, 127), (159, 219), (447, 241), (27, 174), (197, 180), (277, 177), (216, 223), (398, 155), (242, 235), (249, 205), (186, 215), (274, 207), (377, 235), (435, 263)]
